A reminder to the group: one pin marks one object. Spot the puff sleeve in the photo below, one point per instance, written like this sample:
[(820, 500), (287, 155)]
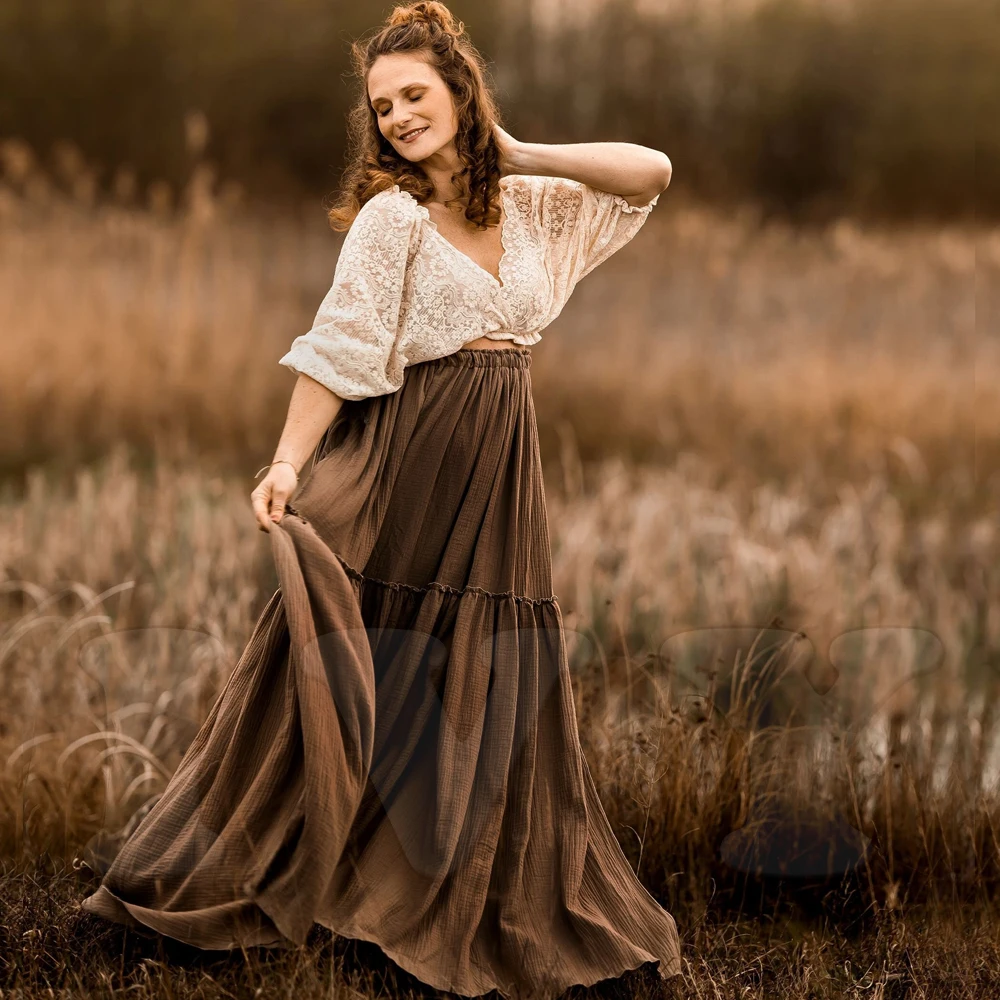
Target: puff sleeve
[(582, 226), (352, 346)]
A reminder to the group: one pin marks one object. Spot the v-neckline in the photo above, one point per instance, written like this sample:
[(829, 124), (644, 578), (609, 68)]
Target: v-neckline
[(498, 282)]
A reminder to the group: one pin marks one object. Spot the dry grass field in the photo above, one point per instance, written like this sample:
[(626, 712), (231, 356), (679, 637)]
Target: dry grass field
[(773, 473)]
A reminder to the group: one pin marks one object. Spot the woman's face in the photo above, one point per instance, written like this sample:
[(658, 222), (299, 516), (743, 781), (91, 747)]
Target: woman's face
[(408, 94)]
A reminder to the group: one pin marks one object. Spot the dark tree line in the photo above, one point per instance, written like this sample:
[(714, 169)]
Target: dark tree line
[(890, 110)]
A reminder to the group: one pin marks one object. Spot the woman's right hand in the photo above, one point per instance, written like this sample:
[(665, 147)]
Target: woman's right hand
[(269, 497)]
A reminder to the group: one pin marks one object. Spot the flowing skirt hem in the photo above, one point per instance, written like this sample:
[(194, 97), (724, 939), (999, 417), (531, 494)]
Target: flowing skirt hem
[(106, 904)]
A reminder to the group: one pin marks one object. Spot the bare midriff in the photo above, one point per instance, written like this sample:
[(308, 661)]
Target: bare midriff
[(492, 345)]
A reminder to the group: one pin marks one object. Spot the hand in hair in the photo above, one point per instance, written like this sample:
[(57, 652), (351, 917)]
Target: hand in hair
[(507, 146)]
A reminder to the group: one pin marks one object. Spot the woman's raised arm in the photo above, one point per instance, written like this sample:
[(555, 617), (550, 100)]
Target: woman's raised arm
[(637, 173)]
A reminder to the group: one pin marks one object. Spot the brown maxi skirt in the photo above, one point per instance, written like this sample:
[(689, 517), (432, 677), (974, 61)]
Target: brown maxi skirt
[(396, 754)]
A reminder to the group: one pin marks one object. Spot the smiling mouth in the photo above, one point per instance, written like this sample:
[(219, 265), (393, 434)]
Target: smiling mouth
[(413, 133)]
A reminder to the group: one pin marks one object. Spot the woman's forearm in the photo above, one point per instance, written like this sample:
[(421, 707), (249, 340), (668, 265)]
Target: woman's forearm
[(311, 410), (635, 172)]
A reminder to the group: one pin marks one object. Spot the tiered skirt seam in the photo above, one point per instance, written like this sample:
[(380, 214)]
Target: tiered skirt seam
[(444, 588)]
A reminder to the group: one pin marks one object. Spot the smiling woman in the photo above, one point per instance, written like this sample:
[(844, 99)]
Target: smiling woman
[(422, 75), (418, 116), (413, 132), (396, 755)]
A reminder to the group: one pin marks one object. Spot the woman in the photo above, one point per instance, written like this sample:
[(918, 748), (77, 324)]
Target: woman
[(396, 754)]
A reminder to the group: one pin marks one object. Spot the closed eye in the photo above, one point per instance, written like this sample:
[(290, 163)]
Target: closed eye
[(382, 114)]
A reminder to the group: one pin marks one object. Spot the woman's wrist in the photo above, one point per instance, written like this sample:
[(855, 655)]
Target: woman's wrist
[(519, 157), (278, 461)]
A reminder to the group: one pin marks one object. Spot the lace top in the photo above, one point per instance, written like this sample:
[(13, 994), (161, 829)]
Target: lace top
[(403, 294)]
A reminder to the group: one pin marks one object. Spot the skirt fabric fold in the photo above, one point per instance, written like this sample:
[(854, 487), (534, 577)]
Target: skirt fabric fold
[(396, 754)]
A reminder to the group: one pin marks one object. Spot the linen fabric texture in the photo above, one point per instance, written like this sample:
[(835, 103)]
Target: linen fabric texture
[(395, 755)]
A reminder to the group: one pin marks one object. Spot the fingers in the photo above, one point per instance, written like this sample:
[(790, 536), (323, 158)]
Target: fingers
[(260, 500), (278, 499), (267, 510), (271, 495)]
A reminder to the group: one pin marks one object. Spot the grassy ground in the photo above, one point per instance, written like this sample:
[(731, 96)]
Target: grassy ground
[(788, 950)]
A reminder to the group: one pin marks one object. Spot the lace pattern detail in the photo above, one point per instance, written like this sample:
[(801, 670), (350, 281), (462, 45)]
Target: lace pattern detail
[(352, 347), (588, 225), (403, 294)]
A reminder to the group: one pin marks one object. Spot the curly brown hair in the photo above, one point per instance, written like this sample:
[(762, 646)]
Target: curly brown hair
[(374, 165)]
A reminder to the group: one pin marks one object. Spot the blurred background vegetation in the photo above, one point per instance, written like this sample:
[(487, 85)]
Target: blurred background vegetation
[(779, 405), (881, 109)]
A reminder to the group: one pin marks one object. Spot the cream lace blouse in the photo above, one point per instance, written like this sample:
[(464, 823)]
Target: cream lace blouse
[(403, 294)]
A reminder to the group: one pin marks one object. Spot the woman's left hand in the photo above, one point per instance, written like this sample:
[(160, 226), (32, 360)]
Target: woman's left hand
[(508, 147)]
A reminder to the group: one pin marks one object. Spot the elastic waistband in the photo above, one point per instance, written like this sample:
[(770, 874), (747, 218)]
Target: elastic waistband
[(486, 357)]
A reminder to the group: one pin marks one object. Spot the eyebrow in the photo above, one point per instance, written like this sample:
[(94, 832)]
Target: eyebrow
[(409, 86)]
